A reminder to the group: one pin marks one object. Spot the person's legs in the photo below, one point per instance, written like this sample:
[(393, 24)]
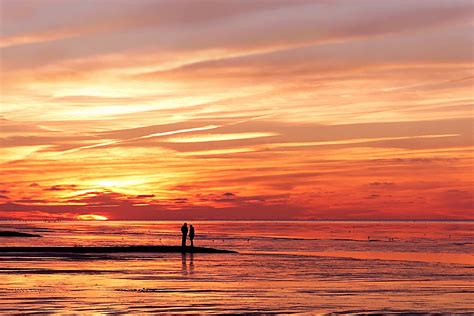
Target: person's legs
[(183, 242), (192, 242)]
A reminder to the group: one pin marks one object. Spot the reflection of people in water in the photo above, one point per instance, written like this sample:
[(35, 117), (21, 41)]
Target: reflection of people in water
[(184, 266), (184, 231), (191, 263), (184, 263), (191, 235)]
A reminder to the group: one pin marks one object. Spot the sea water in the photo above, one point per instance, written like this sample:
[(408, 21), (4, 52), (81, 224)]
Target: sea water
[(281, 267)]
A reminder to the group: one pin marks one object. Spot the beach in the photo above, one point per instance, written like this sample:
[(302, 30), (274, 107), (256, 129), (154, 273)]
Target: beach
[(281, 267)]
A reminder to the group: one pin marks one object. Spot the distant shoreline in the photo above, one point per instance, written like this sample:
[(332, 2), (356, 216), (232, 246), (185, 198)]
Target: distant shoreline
[(111, 249), (17, 234)]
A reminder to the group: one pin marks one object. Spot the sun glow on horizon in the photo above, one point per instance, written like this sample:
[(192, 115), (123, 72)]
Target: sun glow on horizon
[(91, 217)]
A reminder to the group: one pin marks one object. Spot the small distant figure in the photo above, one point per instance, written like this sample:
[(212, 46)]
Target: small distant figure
[(184, 231), (191, 235)]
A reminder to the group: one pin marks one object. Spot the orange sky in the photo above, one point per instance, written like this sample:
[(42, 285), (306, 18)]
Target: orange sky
[(236, 109)]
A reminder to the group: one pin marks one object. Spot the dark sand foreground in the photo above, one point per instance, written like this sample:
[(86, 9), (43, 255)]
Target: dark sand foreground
[(112, 249), (17, 234)]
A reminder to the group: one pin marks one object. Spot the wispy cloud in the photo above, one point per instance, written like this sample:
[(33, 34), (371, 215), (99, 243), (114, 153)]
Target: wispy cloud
[(204, 128)]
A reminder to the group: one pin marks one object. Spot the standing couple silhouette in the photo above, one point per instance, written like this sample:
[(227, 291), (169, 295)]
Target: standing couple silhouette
[(184, 231)]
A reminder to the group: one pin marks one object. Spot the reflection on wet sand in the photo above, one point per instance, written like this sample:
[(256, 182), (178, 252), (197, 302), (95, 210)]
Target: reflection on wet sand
[(185, 269), (456, 258)]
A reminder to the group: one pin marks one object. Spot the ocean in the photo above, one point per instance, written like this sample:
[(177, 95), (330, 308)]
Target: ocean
[(281, 267)]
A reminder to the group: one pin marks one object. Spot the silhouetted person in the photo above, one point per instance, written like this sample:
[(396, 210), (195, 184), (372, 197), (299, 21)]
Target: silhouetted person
[(184, 231), (191, 235)]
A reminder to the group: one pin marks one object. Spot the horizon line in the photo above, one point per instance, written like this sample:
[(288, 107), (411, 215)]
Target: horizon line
[(240, 220)]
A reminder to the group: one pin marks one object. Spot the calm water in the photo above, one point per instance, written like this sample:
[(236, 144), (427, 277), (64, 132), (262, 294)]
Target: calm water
[(282, 267)]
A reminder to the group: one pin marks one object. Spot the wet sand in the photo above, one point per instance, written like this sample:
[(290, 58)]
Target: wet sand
[(111, 249), (17, 234)]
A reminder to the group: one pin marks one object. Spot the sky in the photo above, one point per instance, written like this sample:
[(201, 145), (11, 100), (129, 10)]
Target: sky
[(248, 110)]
